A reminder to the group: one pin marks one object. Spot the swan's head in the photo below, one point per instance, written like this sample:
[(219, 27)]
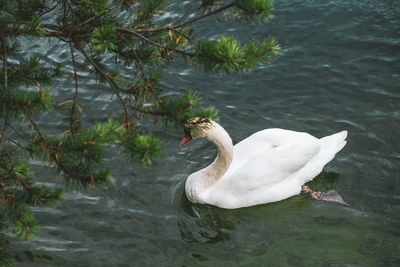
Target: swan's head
[(195, 128)]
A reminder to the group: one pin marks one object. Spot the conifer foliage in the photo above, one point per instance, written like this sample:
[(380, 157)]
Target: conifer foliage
[(137, 35)]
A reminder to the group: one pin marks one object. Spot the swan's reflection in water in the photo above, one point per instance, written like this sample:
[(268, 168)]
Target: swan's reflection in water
[(204, 223)]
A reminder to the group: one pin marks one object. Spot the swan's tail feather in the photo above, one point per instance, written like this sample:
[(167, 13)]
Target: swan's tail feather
[(335, 142), (330, 145)]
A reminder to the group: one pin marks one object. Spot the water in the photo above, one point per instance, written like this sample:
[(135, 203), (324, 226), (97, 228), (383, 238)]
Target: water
[(340, 70)]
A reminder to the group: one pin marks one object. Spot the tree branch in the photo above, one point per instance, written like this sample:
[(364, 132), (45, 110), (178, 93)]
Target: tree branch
[(154, 43)]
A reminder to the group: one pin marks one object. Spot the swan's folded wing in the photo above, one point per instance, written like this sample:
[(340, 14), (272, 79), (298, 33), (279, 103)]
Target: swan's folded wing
[(272, 167), (262, 141)]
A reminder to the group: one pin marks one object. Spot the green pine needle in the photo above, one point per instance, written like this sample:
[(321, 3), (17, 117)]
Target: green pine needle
[(104, 39), (227, 54), (142, 148), (26, 227), (258, 10)]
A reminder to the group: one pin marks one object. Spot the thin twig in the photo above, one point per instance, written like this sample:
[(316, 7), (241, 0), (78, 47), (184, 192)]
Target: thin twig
[(4, 132), (170, 27), (5, 83), (33, 124), (49, 9), (154, 43), (72, 125), (16, 143), (161, 112), (20, 134), (4, 46), (141, 68), (139, 61), (21, 6), (98, 15), (265, 52), (112, 84), (194, 10), (213, 12)]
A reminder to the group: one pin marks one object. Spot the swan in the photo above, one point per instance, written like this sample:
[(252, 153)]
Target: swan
[(268, 166)]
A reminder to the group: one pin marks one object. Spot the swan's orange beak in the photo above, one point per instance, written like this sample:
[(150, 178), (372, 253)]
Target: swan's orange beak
[(186, 138)]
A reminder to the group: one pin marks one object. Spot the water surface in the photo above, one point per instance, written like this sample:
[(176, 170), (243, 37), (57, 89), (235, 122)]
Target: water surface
[(339, 71)]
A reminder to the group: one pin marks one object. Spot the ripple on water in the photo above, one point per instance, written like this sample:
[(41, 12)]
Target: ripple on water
[(82, 198)]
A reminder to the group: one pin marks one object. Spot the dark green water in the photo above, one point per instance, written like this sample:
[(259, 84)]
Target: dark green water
[(340, 70)]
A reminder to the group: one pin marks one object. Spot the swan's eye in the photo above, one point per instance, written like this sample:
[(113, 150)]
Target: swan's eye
[(187, 132)]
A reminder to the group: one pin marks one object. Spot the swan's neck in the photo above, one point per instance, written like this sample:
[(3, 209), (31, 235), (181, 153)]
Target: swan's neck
[(200, 181), (218, 168)]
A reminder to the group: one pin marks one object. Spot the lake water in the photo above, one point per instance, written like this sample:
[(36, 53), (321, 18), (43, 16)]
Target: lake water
[(340, 71)]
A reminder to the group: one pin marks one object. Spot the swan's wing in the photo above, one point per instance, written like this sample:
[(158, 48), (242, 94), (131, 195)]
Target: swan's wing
[(270, 168), (265, 140)]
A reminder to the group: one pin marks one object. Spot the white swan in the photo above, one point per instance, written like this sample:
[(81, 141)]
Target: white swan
[(268, 166)]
